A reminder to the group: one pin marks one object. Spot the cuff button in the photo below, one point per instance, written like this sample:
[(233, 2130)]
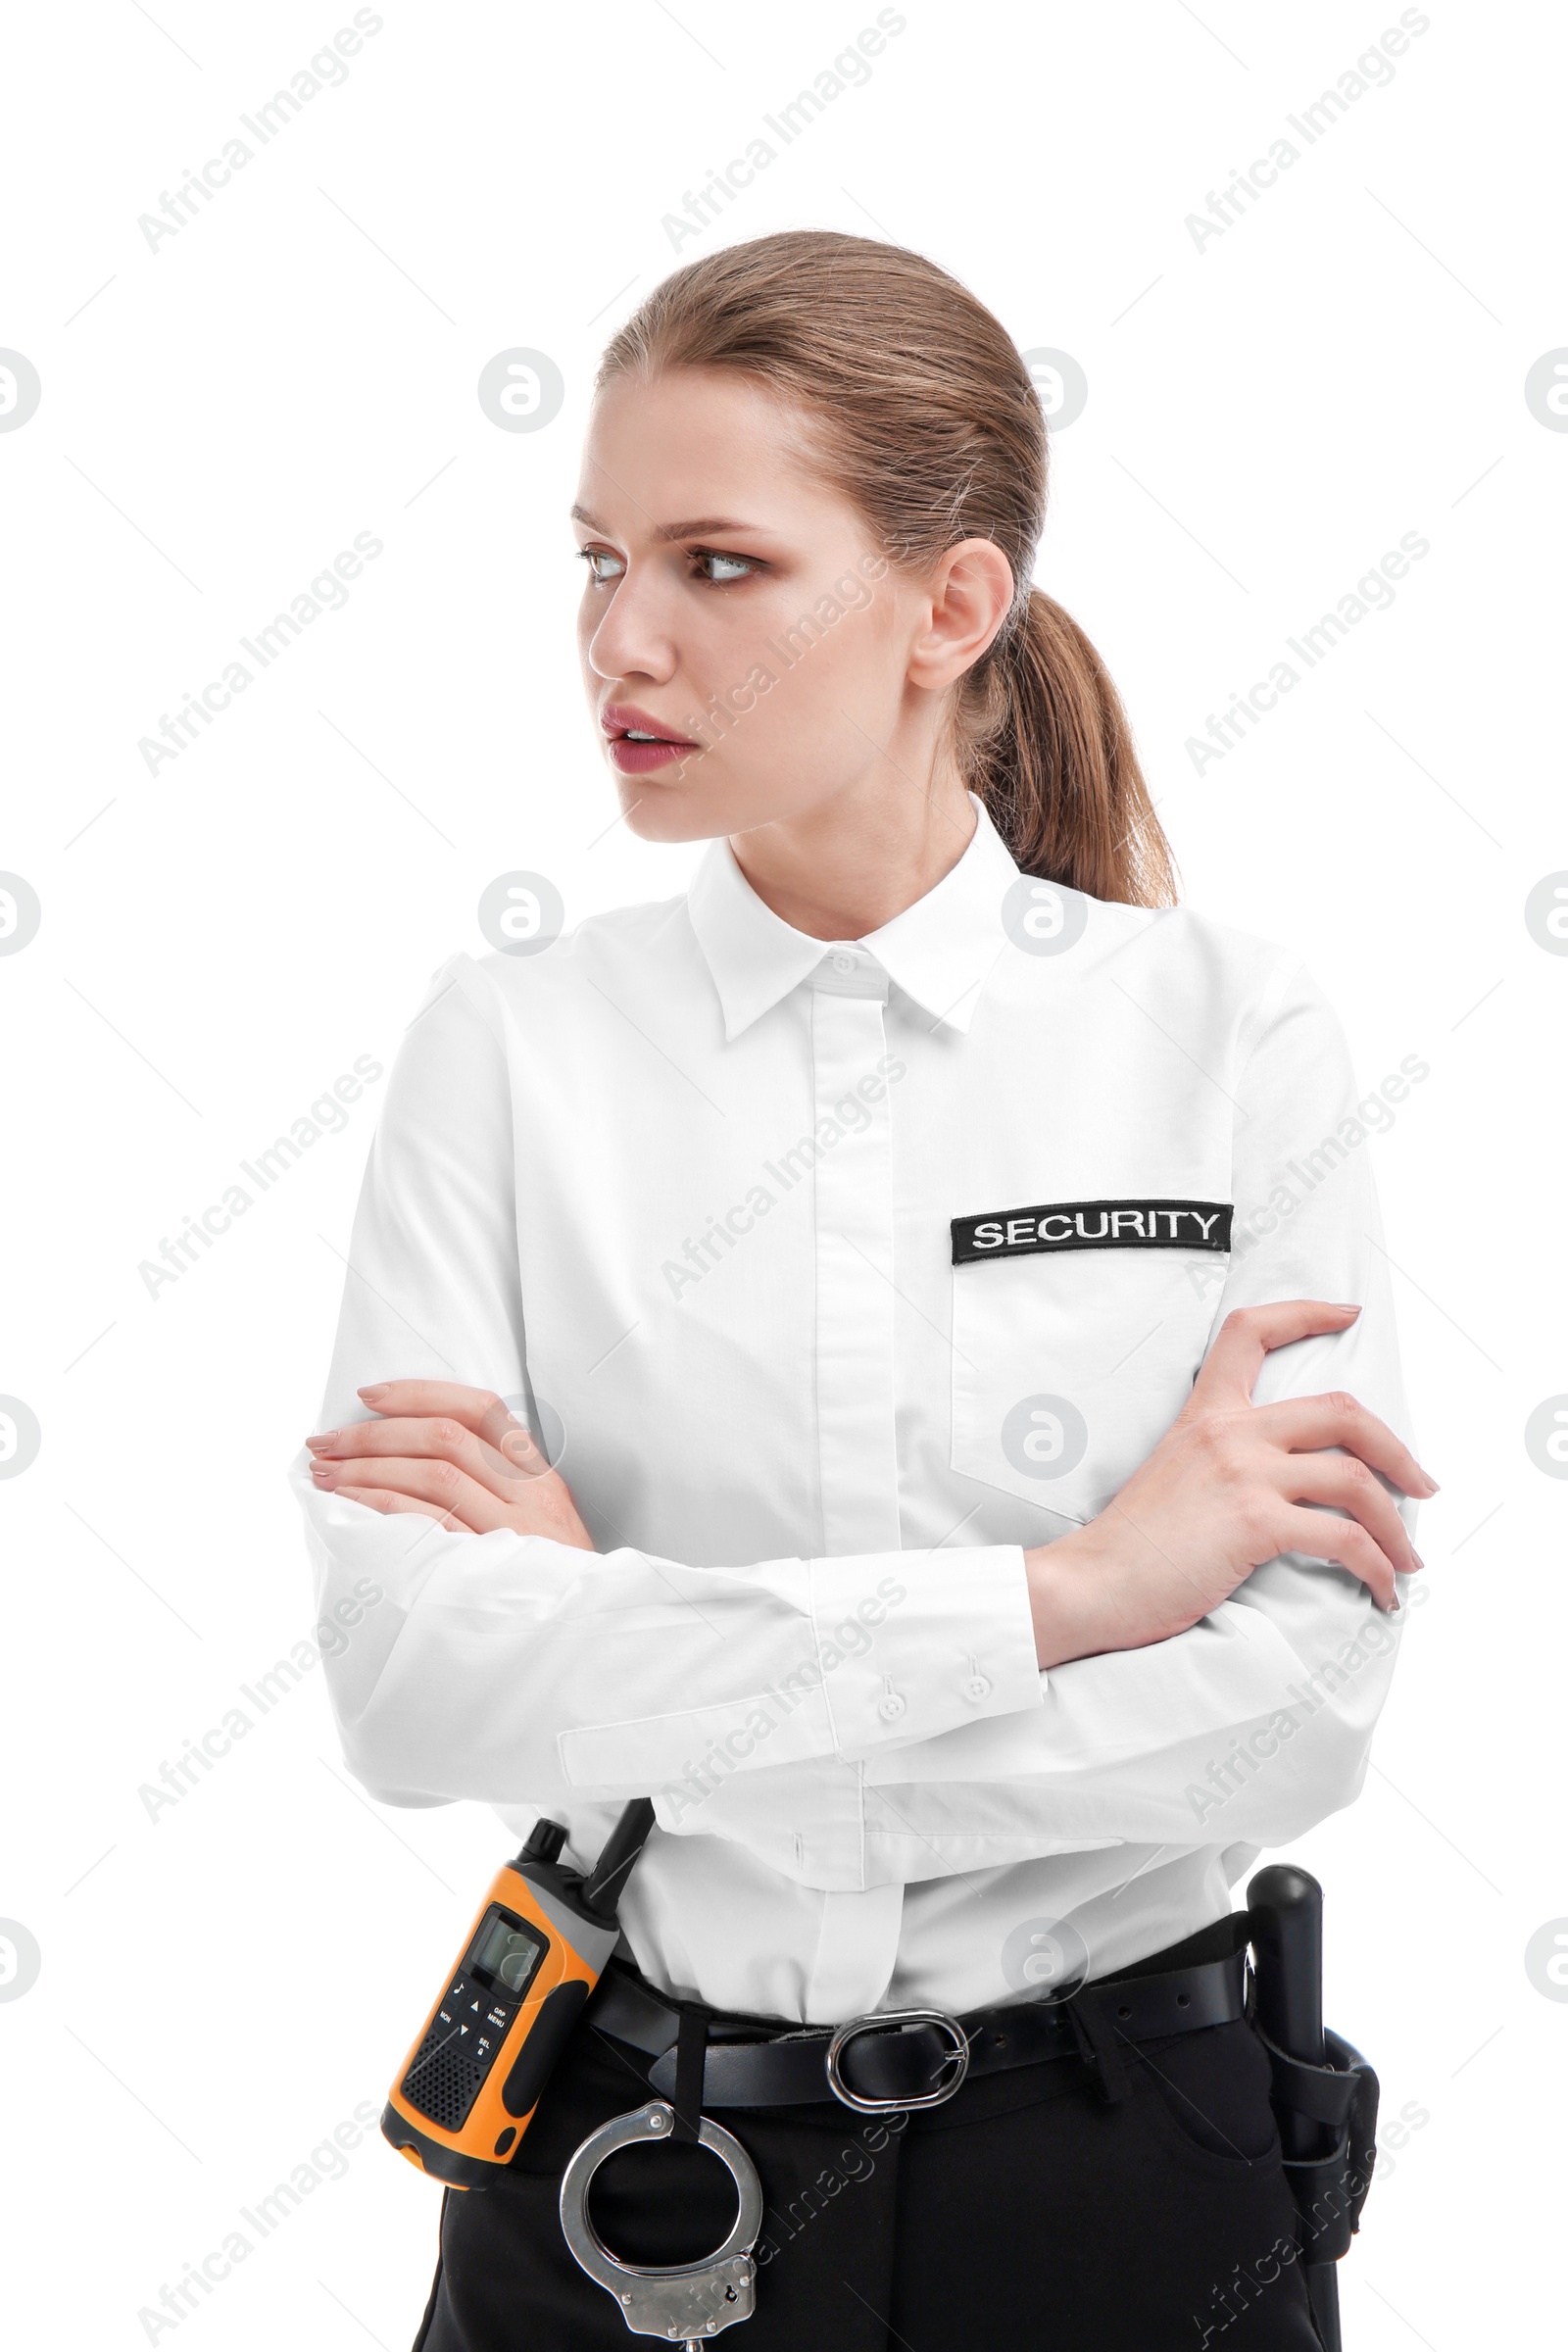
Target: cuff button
[(891, 1707), (976, 1688)]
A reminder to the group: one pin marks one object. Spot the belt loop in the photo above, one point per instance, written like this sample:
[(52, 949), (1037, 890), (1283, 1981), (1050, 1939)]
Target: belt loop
[(1097, 2046), (691, 2052)]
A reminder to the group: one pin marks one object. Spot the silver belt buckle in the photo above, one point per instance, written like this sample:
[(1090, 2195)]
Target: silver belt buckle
[(883, 2022), (685, 2302)]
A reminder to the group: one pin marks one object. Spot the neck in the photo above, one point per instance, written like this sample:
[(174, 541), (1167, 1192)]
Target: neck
[(842, 871)]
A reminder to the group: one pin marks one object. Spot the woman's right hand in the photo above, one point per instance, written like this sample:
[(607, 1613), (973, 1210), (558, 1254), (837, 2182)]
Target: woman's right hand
[(1226, 1489)]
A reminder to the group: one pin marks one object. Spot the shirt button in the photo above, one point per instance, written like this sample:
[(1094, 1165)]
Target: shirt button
[(891, 1707), (977, 1689), (844, 963)]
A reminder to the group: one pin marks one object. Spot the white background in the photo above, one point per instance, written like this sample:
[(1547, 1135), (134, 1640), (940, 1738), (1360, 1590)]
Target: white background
[(221, 416)]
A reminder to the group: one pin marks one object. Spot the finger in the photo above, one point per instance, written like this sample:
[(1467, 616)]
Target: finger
[(438, 1485), (478, 1409), (522, 1456), (1339, 1482), (379, 1498), (1306, 1424), (1322, 1536), (1233, 1364), (443, 1438)]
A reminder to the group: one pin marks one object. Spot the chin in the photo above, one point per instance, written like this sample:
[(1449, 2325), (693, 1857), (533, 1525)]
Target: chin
[(665, 813), (680, 803)]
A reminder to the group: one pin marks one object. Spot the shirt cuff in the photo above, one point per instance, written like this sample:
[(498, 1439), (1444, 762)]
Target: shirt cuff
[(912, 1643), (899, 1646)]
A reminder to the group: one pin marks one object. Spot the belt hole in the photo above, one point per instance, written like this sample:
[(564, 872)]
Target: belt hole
[(1124, 2011), (1184, 2000)]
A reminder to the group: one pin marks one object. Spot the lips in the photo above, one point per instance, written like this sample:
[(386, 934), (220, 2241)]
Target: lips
[(639, 742), (626, 718)]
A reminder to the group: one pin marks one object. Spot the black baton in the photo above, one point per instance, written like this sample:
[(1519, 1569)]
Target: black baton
[(1285, 1907)]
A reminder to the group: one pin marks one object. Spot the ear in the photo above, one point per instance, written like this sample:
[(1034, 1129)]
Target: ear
[(970, 595)]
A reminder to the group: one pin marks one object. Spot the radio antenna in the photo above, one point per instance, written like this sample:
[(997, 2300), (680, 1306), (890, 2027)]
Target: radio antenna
[(601, 1893)]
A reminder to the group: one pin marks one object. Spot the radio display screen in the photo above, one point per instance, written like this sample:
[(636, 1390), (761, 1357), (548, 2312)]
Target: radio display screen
[(507, 1950)]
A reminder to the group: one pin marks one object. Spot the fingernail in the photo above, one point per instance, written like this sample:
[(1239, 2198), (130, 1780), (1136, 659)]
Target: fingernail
[(1416, 1556), (378, 1388), (325, 1442), (1433, 1487), (1393, 1603), (323, 1473), (1346, 1307)]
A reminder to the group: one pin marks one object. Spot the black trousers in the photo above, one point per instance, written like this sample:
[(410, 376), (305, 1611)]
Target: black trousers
[(1027, 2211)]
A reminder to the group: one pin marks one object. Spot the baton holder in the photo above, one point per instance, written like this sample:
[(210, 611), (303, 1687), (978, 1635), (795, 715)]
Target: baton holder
[(1341, 2097)]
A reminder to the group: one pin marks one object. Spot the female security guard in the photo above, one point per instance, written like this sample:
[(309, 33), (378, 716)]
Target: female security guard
[(849, 1232)]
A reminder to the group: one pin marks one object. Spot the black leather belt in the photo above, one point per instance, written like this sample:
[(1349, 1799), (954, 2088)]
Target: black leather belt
[(891, 2060)]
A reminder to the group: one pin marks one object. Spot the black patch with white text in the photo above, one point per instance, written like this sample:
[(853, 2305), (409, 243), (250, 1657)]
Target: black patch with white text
[(1093, 1225)]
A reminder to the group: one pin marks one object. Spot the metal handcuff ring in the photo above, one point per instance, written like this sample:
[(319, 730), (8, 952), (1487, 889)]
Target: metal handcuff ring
[(883, 2022), (685, 2302)]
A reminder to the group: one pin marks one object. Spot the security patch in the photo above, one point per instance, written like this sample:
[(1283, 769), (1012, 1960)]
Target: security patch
[(1093, 1225)]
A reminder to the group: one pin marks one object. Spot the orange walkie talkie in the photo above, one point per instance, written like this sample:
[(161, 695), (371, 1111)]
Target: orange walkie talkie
[(466, 2090)]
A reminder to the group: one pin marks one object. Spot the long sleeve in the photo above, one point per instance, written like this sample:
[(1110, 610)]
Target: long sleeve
[(1257, 1722), (517, 1670)]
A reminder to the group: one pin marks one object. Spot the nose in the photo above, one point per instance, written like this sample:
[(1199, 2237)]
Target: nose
[(632, 636)]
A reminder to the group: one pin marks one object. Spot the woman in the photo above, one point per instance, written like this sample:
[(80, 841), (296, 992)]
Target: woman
[(972, 1625)]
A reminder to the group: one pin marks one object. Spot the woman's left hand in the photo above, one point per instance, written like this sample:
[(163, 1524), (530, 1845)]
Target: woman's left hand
[(451, 1454)]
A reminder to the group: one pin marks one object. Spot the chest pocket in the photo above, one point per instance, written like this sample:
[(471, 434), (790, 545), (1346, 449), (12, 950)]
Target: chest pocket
[(1069, 1368)]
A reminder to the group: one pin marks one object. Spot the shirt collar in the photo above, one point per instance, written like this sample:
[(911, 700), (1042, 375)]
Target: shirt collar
[(938, 951)]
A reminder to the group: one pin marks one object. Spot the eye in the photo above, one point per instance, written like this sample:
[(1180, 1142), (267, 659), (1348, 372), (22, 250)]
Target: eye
[(726, 568), (593, 556)]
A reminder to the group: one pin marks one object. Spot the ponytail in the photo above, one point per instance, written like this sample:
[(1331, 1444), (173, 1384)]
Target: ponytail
[(925, 418), (1046, 746)]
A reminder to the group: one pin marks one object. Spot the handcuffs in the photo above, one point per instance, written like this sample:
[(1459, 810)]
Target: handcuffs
[(689, 2302), (683, 2301)]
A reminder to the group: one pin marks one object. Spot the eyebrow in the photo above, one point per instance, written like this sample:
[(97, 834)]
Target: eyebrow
[(698, 529)]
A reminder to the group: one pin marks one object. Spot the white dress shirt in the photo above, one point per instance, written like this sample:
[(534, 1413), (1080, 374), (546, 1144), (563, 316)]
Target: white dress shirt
[(681, 1187)]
